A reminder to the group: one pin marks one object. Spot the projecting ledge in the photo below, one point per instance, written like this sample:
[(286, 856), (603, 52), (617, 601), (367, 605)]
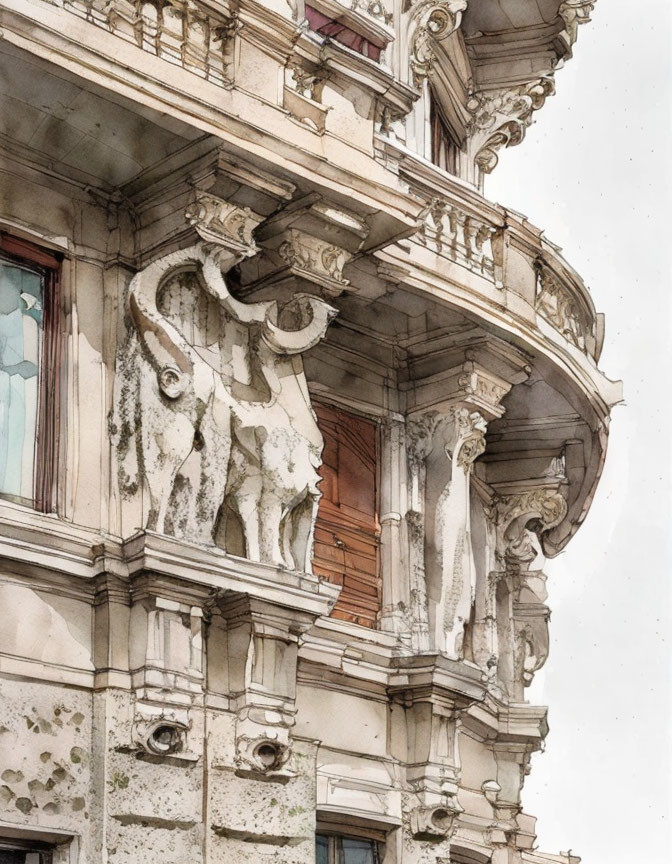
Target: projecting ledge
[(49, 549), (190, 562), (436, 673)]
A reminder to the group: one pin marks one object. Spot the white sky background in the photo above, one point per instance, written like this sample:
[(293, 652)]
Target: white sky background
[(594, 171)]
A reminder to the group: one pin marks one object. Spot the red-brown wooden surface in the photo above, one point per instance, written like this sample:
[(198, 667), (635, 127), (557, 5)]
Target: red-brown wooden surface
[(347, 530)]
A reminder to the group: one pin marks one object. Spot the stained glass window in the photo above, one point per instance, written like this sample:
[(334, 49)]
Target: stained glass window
[(29, 372), (21, 320)]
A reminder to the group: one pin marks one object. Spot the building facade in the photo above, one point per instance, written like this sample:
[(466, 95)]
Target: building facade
[(291, 417)]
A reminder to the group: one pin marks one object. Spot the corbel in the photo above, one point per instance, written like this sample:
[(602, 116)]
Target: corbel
[(263, 648), (305, 248)]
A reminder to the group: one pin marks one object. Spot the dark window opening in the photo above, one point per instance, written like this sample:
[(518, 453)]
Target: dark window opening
[(347, 531), (334, 849), (29, 372), (444, 148), (25, 852), (326, 26)]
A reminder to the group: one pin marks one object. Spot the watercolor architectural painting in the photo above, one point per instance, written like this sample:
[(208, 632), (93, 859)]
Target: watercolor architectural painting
[(311, 637)]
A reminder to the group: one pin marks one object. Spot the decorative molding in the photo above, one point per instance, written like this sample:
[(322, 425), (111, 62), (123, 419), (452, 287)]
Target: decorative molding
[(218, 221), (500, 118), (376, 9), (430, 23)]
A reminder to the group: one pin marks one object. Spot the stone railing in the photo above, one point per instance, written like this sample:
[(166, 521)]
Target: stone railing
[(451, 231), (183, 33), (461, 226), (564, 302)]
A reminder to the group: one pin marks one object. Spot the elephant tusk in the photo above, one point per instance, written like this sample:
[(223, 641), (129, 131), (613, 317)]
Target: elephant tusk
[(296, 341), (246, 313)]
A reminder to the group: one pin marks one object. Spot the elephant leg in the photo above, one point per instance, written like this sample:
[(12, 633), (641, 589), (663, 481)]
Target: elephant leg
[(213, 444), (166, 439), (303, 532), (271, 513), (247, 508)]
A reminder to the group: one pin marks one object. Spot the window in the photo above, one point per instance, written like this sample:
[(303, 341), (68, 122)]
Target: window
[(444, 148), (334, 849), (327, 26), (347, 532), (28, 372)]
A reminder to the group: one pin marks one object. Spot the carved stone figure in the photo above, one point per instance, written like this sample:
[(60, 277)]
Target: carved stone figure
[(212, 404), (443, 449)]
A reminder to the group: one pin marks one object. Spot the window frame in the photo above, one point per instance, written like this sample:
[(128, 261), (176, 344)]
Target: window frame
[(47, 263), (336, 836)]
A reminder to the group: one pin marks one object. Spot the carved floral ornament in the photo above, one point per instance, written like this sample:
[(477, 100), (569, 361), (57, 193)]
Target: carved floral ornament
[(560, 308)]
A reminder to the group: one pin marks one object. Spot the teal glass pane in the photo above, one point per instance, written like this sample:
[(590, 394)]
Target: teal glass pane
[(358, 851), (20, 349), (321, 849)]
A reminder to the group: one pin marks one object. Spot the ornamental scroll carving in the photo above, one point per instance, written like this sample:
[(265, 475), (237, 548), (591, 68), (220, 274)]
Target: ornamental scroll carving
[(212, 414), (500, 118), (574, 13), (519, 619), (430, 23)]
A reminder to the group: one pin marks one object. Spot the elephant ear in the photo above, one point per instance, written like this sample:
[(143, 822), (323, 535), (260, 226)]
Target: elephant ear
[(296, 341)]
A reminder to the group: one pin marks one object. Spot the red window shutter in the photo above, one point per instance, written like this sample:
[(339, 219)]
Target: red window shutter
[(347, 532)]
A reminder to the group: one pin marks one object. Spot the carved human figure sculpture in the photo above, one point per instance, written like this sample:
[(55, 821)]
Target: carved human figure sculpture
[(212, 408), (443, 450)]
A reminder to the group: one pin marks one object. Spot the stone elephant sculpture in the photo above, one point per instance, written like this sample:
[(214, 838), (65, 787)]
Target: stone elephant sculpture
[(178, 425)]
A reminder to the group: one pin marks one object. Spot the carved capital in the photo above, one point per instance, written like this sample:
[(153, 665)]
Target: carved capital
[(419, 437), (316, 260), (435, 824), (227, 225), (431, 22), (500, 118), (470, 429)]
